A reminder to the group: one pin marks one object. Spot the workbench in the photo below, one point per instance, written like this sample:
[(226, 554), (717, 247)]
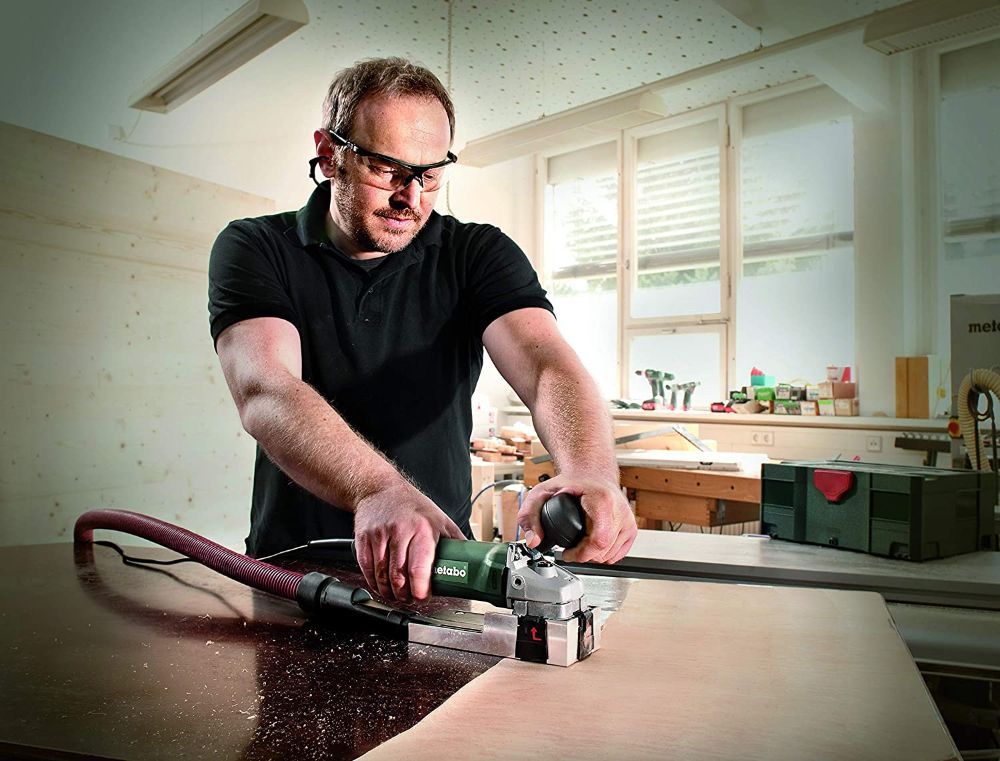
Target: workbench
[(696, 497), (102, 659), (706, 498)]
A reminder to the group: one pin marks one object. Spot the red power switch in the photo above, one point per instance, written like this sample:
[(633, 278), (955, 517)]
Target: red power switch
[(833, 484)]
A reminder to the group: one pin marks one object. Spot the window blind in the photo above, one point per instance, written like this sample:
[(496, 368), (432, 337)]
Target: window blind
[(677, 198)]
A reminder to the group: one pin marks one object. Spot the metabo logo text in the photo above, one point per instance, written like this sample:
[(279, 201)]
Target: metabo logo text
[(984, 327), (455, 571)]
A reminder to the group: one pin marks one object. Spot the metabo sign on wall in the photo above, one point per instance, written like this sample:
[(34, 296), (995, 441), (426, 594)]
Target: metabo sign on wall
[(975, 340)]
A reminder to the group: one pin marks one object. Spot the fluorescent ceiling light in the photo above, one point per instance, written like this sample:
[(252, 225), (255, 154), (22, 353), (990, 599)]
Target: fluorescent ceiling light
[(927, 22), (238, 38)]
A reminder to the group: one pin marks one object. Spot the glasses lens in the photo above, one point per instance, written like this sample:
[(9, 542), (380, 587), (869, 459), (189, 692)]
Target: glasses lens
[(389, 176)]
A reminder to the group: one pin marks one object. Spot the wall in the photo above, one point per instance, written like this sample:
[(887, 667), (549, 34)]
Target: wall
[(111, 393), (503, 195)]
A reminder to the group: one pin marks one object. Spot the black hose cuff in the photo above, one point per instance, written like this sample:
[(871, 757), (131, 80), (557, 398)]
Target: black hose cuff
[(319, 593)]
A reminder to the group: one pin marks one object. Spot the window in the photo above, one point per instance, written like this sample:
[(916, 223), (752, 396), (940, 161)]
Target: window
[(795, 312), (678, 222), (581, 256), (969, 161), (674, 309)]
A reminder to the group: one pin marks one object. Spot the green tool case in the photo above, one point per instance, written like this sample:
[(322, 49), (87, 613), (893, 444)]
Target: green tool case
[(899, 511)]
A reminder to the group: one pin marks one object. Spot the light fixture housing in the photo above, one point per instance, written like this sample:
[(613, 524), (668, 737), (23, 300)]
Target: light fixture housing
[(240, 37), (918, 24)]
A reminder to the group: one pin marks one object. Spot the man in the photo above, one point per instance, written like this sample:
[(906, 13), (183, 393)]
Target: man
[(351, 336)]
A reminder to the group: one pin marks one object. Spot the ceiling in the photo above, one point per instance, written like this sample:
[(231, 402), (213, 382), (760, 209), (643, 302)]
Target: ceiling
[(71, 66)]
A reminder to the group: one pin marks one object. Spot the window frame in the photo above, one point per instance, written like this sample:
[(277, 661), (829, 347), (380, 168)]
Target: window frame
[(925, 126), (629, 326), (729, 116)]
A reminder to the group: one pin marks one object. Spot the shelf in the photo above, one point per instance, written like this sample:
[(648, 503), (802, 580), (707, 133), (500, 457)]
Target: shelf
[(938, 425)]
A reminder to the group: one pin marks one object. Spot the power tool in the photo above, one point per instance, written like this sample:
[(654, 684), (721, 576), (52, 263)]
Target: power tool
[(544, 618), (656, 387)]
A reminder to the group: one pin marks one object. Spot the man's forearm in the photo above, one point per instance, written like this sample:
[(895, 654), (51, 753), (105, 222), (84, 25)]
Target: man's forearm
[(314, 446), (573, 421)]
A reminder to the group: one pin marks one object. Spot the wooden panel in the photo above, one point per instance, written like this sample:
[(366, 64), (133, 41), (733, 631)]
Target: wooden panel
[(483, 509), (676, 508), (533, 473), (698, 483), (696, 511), (902, 387), (669, 440), (508, 512), (111, 393), (706, 672)]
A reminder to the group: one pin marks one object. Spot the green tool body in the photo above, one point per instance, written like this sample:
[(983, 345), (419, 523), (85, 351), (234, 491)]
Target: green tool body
[(478, 570), (470, 570)]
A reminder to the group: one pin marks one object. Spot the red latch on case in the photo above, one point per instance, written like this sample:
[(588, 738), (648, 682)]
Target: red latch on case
[(833, 483)]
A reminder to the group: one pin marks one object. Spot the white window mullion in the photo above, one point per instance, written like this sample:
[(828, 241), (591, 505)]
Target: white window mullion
[(731, 238), (627, 147)]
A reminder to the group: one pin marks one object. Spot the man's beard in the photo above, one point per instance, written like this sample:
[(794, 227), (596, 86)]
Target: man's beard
[(361, 226)]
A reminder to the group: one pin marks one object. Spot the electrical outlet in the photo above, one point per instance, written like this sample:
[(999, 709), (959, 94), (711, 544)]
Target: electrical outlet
[(762, 438), (873, 444)]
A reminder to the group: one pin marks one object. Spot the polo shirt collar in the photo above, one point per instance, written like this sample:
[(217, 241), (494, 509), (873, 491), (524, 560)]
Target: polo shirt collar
[(310, 225)]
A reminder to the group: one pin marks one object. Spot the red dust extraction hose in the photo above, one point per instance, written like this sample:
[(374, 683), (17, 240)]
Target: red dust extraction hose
[(246, 570)]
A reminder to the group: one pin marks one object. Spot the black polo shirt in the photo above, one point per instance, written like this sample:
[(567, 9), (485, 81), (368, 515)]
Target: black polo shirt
[(396, 349)]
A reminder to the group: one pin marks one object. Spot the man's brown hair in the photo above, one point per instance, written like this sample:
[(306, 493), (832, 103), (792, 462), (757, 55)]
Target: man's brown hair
[(379, 76)]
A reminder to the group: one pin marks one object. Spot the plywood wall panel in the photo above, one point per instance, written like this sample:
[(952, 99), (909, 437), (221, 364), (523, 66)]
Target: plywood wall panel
[(110, 390)]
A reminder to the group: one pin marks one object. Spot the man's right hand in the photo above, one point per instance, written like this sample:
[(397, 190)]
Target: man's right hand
[(396, 531)]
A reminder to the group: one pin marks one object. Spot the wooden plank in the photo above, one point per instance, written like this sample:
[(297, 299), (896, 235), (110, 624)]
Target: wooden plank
[(730, 512), (676, 508), (508, 513), (533, 473), (902, 387), (741, 487), (482, 511), (706, 672), (696, 511)]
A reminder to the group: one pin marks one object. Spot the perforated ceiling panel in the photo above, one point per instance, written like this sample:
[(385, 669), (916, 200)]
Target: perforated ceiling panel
[(514, 62), (507, 61)]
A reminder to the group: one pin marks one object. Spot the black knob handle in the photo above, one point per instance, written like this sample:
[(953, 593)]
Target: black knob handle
[(563, 522)]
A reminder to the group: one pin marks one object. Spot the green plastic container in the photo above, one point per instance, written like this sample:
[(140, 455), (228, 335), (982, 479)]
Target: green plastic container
[(898, 511)]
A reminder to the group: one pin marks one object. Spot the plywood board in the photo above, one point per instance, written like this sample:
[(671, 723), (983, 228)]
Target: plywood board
[(705, 672), (110, 391)]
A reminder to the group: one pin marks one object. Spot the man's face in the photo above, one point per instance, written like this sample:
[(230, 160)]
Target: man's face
[(370, 219)]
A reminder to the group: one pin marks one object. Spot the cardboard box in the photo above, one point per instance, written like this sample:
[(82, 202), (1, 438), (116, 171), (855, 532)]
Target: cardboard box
[(846, 407), (825, 407), (809, 407), (837, 390), (812, 393), (764, 394)]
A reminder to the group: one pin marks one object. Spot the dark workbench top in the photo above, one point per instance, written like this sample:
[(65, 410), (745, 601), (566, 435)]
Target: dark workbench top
[(104, 660)]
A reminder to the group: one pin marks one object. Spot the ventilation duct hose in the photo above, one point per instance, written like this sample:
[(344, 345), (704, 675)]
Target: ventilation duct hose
[(254, 573), (975, 383)]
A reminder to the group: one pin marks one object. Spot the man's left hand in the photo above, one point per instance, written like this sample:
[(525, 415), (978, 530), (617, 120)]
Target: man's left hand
[(611, 526)]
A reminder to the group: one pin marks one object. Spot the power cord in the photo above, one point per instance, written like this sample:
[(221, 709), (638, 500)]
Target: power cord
[(131, 560)]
